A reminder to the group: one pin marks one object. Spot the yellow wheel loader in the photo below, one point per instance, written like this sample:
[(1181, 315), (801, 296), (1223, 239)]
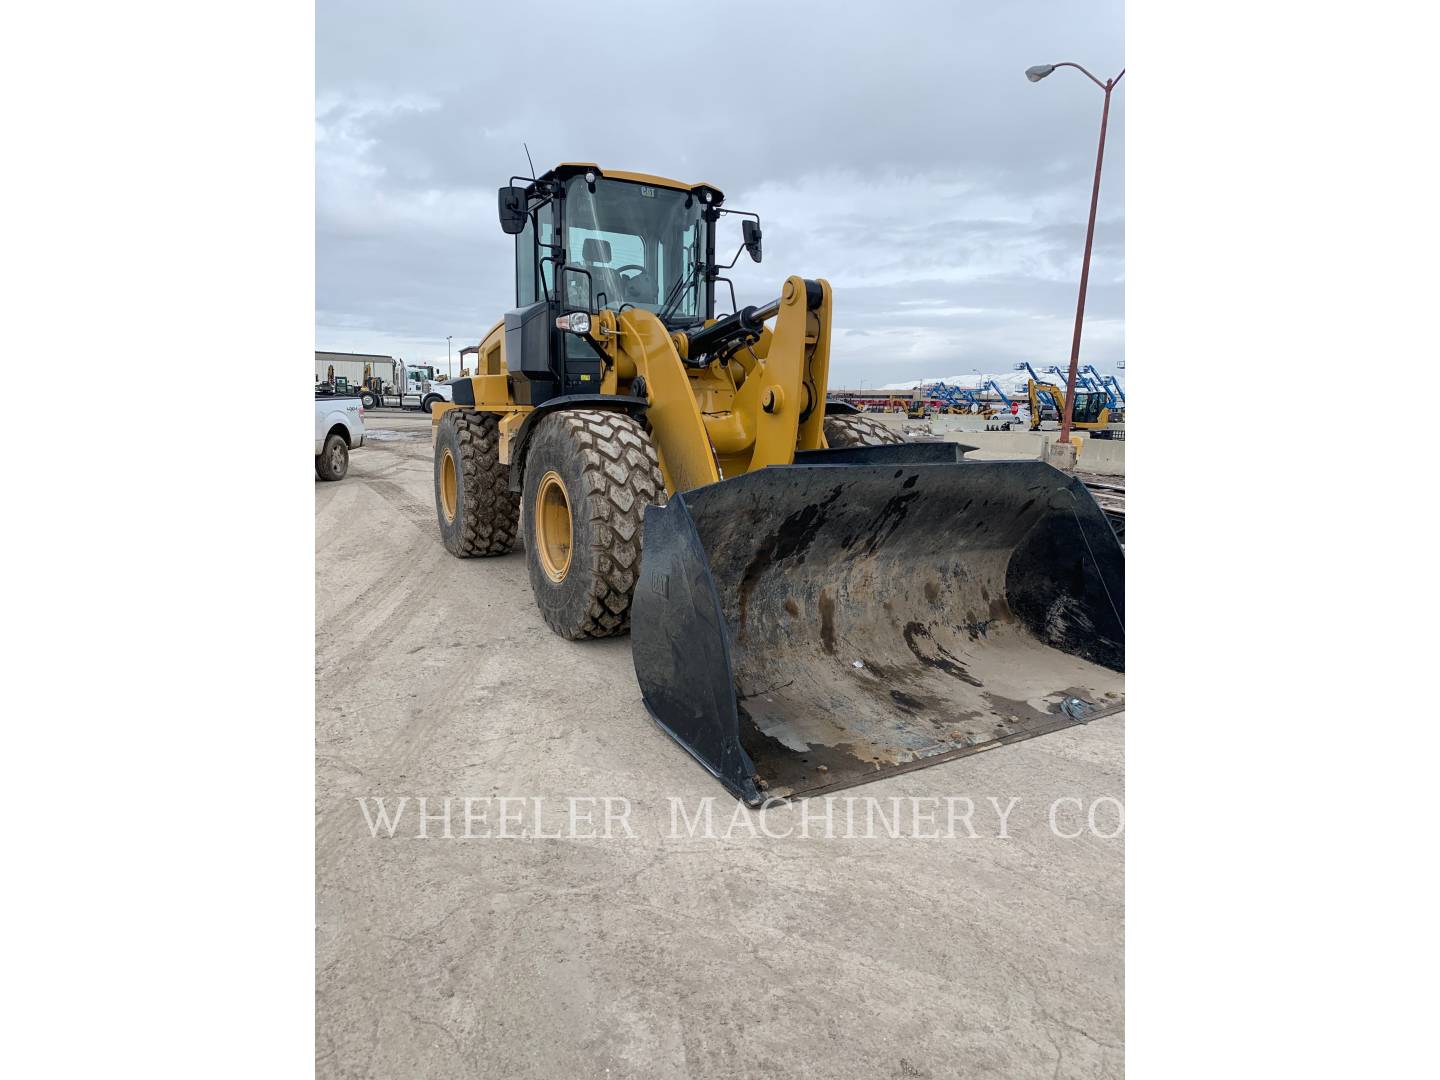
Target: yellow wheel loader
[(813, 602)]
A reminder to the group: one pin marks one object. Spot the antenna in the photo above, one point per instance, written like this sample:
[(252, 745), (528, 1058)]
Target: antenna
[(527, 158)]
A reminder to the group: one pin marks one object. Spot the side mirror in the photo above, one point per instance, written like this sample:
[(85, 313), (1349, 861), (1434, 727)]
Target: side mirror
[(751, 231), (512, 210)]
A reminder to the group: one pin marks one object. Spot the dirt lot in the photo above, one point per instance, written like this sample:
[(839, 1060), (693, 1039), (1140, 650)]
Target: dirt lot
[(652, 953)]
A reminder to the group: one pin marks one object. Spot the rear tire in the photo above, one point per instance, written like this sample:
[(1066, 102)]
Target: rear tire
[(852, 429), (589, 474), (476, 509), (333, 462)]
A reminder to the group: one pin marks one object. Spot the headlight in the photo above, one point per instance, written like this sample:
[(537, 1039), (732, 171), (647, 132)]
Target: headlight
[(577, 322)]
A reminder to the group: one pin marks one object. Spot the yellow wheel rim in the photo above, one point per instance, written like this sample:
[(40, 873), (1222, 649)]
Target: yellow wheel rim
[(553, 535), (449, 484)]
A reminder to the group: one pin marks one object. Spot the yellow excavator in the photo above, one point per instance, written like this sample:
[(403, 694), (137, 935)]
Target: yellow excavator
[(1092, 413), (813, 601)]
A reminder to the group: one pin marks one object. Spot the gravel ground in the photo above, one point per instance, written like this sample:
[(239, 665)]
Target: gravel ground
[(652, 953)]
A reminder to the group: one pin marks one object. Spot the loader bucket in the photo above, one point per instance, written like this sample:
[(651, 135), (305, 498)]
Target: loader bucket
[(807, 627)]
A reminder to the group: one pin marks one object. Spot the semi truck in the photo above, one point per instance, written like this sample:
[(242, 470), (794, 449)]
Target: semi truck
[(381, 380)]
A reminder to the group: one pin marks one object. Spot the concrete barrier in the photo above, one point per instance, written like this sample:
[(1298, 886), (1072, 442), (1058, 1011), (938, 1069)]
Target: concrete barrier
[(895, 420), (1106, 456), (1001, 444), (1101, 455), (948, 422)]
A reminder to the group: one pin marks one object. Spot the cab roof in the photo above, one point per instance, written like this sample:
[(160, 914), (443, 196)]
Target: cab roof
[(567, 169)]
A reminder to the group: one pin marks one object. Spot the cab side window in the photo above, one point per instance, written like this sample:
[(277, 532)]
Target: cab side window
[(534, 261)]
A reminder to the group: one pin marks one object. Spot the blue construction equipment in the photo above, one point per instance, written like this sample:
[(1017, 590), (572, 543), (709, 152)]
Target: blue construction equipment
[(959, 398), (991, 384), (1110, 385), (970, 396), (947, 396), (1087, 378), (1045, 399)]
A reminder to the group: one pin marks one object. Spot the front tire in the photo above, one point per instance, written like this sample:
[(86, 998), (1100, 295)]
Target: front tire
[(429, 403), (476, 509), (855, 429), (589, 474), (333, 461), (367, 401)]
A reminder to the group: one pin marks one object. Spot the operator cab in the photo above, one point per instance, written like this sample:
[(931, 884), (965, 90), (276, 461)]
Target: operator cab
[(1087, 407), (586, 240)]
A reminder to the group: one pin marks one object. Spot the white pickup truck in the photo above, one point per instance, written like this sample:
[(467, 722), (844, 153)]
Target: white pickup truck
[(339, 428)]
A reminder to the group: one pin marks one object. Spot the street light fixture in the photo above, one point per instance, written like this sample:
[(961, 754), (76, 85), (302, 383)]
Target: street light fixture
[(1035, 74)]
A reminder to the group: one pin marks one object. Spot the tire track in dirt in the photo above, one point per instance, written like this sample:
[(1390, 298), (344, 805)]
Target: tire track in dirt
[(384, 616), (341, 821), (377, 608), (416, 512), (371, 611)]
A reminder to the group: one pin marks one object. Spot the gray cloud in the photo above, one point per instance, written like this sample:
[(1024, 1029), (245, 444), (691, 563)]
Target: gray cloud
[(899, 152)]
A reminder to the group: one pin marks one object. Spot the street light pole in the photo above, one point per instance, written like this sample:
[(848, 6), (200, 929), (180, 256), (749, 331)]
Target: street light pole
[(1035, 74), (449, 374)]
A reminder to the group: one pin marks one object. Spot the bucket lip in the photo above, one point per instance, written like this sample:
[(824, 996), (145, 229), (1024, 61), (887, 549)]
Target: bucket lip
[(1040, 470), (1034, 465), (1061, 722), (747, 792)]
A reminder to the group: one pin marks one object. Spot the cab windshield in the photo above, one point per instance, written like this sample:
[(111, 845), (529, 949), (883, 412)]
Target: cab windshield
[(1087, 407), (641, 246)]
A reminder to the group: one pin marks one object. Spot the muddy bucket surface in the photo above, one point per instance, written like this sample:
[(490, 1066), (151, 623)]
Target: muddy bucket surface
[(807, 627)]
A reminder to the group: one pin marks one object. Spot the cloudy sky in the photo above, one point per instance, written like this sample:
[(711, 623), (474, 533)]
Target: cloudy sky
[(895, 149)]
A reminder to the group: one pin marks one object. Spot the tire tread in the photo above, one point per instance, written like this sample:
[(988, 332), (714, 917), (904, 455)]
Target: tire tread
[(620, 477), (490, 511)]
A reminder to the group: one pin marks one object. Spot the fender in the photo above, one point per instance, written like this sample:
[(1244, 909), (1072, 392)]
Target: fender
[(615, 402), (838, 408)]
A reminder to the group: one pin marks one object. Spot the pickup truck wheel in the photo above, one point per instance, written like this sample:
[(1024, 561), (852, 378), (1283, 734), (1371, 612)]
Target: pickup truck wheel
[(476, 509), (334, 460), (589, 474)]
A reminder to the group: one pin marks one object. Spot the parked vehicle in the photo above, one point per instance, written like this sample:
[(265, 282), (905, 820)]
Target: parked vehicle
[(436, 391), (380, 380), (401, 386), (1006, 420), (339, 428)]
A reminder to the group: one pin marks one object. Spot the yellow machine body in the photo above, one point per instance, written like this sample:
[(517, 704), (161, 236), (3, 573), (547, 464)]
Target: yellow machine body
[(707, 423)]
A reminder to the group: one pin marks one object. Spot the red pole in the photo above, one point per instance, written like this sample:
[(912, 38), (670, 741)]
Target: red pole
[(1066, 420)]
